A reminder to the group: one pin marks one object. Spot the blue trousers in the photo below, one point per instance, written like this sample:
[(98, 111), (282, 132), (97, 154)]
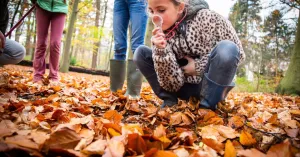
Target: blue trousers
[(125, 11), (221, 69), (13, 53)]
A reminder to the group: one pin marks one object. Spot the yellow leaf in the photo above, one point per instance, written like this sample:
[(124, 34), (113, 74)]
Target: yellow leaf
[(229, 149), (56, 88), (112, 132), (246, 139)]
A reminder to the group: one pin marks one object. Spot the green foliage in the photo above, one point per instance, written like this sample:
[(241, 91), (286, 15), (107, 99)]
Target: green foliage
[(265, 85), (73, 61)]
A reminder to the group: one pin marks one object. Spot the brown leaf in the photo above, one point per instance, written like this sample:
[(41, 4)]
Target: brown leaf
[(282, 149), (114, 149), (113, 116), (159, 153), (160, 131), (7, 128), (176, 118), (251, 153), (23, 141), (227, 132), (274, 120), (63, 139), (236, 122), (246, 139), (292, 132), (136, 143), (187, 120), (96, 147), (229, 149), (214, 144)]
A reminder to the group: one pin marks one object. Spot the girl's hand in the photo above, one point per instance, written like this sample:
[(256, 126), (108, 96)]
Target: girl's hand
[(158, 38), (189, 69)]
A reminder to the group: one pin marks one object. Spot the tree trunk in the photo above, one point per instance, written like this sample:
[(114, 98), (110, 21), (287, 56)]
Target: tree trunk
[(66, 55), (96, 43), (102, 27), (109, 52), (14, 16), (19, 29), (28, 35), (290, 84), (34, 37)]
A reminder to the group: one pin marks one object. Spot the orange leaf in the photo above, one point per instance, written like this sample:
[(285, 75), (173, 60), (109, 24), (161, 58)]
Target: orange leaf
[(214, 144), (56, 88), (209, 115), (113, 116), (160, 131), (229, 149), (112, 132), (137, 143), (274, 120), (161, 153), (246, 139), (176, 118), (114, 126), (236, 122), (282, 149)]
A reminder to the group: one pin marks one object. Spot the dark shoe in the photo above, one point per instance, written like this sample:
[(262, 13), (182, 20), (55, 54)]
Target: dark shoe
[(212, 93), (117, 74), (134, 80), (168, 103)]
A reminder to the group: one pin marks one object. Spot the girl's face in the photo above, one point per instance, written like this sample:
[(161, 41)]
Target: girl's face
[(169, 12)]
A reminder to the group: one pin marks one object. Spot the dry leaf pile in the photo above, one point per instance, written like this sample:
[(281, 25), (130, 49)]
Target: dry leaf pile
[(81, 117)]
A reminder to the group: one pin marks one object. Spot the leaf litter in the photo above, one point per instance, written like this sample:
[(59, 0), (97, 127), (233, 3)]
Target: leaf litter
[(81, 117)]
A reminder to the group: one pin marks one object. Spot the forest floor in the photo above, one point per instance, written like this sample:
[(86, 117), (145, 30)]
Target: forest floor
[(81, 117)]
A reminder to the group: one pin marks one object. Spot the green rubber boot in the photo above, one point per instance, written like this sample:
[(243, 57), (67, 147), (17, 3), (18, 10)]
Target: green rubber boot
[(134, 80), (117, 74)]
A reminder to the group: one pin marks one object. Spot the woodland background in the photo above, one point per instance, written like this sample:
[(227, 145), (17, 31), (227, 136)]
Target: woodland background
[(271, 42)]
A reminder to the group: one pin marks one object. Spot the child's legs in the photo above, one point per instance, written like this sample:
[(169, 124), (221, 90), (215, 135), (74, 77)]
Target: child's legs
[(120, 26), (223, 62), (42, 24), (138, 19), (13, 53), (57, 27), (143, 60)]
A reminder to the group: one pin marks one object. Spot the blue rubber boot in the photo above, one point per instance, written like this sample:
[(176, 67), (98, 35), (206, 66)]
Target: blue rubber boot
[(212, 93)]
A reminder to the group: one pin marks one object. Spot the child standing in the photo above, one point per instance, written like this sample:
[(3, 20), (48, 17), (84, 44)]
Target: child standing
[(196, 55), (49, 13)]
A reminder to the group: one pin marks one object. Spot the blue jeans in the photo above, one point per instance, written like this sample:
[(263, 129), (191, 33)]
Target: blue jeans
[(13, 53), (125, 11), (221, 69)]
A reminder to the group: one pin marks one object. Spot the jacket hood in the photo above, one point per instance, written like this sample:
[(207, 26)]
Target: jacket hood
[(193, 6)]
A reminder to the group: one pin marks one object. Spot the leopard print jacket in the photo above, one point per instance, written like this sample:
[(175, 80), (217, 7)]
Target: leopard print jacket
[(203, 32)]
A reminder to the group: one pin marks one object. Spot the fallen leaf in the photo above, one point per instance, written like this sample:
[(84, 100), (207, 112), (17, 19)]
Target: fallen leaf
[(282, 149), (23, 141), (137, 143), (63, 139), (236, 122), (160, 131), (114, 149), (175, 118), (229, 149), (251, 153), (7, 128), (246, 139), (113, 116), (214, 144), (292, 132), (96, 147)]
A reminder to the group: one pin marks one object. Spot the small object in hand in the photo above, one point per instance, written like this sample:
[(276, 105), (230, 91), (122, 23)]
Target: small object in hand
[(2, 42), (182, 62), (157, 21)]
